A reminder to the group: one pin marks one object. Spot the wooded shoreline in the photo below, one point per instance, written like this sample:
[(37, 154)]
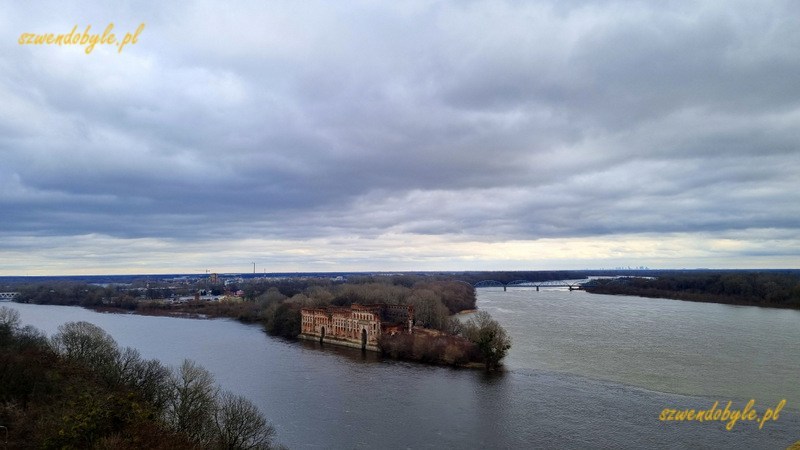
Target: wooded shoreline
[(764, 289), (448, 340)]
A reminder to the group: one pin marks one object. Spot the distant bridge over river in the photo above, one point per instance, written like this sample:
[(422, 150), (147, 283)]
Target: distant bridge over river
[(8, 296), (569, 284)]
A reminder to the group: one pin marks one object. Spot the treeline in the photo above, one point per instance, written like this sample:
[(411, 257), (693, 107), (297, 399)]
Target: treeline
[(478, 341), (434, 302), (79, 389), (73, 293), (536, 275), (277, 304), (770, 289)]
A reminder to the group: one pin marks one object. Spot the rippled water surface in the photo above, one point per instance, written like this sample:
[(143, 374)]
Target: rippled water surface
[(585, 371), (665, 345)]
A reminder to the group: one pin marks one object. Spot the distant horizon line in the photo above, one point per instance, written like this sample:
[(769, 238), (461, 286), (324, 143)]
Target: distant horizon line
[(390, 272)]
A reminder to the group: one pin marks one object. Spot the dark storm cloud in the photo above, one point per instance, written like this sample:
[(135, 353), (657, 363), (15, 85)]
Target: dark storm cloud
[(494, 120)]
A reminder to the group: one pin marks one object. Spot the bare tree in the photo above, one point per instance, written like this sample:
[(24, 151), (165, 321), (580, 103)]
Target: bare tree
[(148, 377), (9, 322), (273, 295), (87, 343), (319, 295), (190, 408), (9, 317), (240, 425), (428, 309)]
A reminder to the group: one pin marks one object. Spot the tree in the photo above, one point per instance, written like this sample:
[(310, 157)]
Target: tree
[(456, 296), (273, 295), (149, 378), (283, 319), (9, 322), (9, 317), (319, 295), (88, 344), (428, 309), (190, 408), (238, 424), (490, 338)]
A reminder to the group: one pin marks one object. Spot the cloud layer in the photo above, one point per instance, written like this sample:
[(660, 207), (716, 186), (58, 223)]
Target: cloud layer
[(419, 135)]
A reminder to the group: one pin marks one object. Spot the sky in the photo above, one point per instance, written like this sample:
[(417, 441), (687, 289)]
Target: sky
[(400, 136)]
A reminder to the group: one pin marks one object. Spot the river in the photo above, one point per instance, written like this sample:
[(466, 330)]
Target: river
[(585, 371)]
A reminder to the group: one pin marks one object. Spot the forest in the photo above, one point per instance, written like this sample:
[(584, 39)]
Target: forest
[(773, 289)]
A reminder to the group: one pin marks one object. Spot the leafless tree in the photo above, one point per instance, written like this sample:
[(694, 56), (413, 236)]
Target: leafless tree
[(88, 343), (9, 322), (240, 425), (9, 317), (428, 309), (190, 408), (148, 377)]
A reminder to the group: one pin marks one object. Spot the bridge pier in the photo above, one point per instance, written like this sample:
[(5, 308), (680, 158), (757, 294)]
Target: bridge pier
[(504, 288), (537, 288)]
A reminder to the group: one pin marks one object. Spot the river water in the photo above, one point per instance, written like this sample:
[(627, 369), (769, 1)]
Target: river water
[(585, 371)]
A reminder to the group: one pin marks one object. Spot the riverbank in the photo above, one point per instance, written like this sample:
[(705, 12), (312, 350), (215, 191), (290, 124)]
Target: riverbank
[(652, 354), (427, 348), (688, 297), (443, 339), (177, 311), (767, 290)]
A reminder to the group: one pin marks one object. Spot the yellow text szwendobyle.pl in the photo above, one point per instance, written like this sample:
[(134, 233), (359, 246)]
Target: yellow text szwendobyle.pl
[(86, 38), (731, 416)]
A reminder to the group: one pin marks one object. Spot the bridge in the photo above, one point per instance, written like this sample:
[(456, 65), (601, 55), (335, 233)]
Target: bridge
[(572, 286), (8, 296)]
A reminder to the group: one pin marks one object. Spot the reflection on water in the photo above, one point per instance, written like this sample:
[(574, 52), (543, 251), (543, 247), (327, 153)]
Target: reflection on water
[(581, 374), (353, 355)]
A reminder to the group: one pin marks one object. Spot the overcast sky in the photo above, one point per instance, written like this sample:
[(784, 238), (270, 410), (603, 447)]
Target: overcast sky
[(415, 135)]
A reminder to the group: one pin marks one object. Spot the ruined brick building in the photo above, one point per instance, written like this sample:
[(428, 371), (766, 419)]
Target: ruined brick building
[(358, 326)]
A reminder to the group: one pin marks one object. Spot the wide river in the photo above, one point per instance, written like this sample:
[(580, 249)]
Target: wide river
[(585, 371)]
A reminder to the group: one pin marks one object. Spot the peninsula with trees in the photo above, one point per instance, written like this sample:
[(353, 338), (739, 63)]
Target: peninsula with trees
[(435, 332)]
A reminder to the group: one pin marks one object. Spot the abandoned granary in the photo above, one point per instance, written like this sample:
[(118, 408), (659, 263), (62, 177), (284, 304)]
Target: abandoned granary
[(358, 326)]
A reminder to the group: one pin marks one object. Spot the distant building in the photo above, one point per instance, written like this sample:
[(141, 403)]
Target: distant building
[(357, 326)]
